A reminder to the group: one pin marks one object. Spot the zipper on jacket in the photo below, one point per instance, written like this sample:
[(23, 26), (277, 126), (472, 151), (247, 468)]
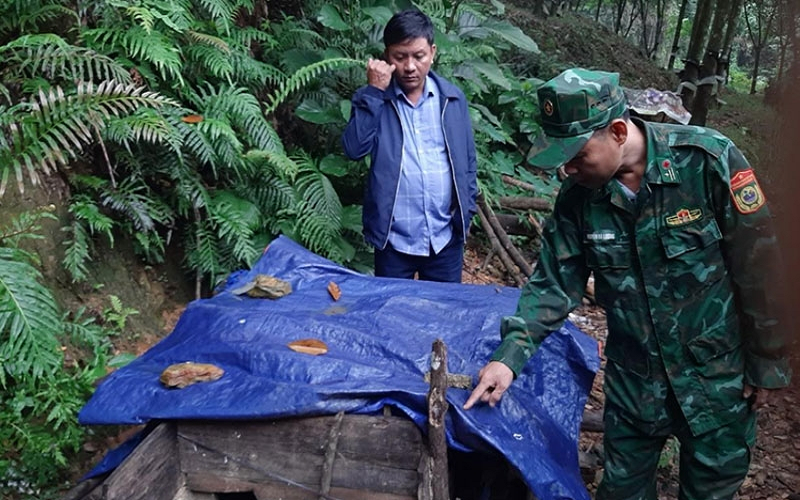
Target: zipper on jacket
[(397, 183), (453, 174)]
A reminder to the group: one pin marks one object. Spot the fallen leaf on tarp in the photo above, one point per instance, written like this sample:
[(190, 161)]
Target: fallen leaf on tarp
[(264, 286), (182, 374), (334, 290), (309, 346)]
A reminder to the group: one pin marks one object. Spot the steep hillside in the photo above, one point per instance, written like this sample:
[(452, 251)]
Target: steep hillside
[(575, 40)]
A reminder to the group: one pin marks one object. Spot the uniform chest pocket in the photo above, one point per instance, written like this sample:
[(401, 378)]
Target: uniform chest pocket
[(694, 258), (607, 256)]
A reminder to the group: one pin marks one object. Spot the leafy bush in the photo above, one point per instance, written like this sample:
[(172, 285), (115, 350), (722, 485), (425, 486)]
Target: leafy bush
[(42, 393)]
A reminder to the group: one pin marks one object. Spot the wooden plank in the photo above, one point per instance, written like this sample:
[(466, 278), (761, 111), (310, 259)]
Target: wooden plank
[(270, 490), (85, 490), (298, 467), (400, 439), (151, 471), (374, 453)]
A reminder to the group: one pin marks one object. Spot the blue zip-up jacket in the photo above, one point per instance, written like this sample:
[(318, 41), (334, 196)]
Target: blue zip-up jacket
[(374, 129)]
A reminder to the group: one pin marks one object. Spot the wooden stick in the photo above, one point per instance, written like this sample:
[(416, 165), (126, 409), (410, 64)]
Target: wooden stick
[(520, 184), (499, 250), (525, 203), (437, 409), (536, 225), (517, 257)]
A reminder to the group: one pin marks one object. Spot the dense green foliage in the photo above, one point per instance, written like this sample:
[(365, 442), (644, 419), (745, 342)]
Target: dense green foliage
[(213, 127), (205, 124), (41, 393)]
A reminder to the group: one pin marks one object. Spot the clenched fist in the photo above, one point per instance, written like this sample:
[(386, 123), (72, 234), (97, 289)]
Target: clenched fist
[(379, 73)]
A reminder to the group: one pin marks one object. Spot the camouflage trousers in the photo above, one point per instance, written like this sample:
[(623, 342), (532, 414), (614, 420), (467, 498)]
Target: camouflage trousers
[(712, 465)]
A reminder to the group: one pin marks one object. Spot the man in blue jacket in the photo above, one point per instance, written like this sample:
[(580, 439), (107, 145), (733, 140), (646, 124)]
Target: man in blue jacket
[(422, 186)]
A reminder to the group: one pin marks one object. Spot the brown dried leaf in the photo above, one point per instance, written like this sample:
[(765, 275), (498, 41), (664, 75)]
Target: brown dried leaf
[(309, 346), (334, 290), (182, 374), (192, 118)]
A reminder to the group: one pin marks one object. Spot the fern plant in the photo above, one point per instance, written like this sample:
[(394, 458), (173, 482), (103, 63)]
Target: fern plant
[(41, 395), (46, 130)]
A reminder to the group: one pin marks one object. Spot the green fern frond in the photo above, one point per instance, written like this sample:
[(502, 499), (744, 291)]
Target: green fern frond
[(272, 195), (211, 40), (217, 62), (47, 129), (305, 75), (26, 226), (277, 162), (29, 321), (235, 220), (246, 36), (189, 188), (51, 56), (149, 245), (319, 217), (202, 253), (222, 12), (144, 124), (142, 15), (85, 210), (135, 200), (33, 16), (241, 109), (77, 251), (198, 147), (137, 44), (254, 73)]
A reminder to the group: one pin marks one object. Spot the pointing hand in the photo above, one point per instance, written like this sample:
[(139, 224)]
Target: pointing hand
[(495, 378)]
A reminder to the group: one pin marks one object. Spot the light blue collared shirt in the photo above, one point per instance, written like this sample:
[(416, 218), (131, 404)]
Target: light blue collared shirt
[(423, 208)]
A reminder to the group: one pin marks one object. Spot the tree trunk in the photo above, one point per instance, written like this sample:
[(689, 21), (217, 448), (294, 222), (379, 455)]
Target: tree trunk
[(661, 10), (765, 15), (620, 5), (634, 14), (756, 68), (677, 38), (597, 12), (538, 8), (708, 85), (702, 23), (730, 32)]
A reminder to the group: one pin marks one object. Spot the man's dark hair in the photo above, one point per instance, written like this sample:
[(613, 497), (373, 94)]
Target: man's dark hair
[(407, 25)]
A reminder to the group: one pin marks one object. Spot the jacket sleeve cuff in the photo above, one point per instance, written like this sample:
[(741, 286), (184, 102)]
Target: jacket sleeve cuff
[(371, 92), (767, 373), (517, 347)]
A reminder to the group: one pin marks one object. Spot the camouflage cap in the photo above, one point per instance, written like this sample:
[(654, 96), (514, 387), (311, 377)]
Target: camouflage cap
[(573, 105)]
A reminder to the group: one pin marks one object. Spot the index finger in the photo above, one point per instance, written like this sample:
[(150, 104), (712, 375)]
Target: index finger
[(477, 393)]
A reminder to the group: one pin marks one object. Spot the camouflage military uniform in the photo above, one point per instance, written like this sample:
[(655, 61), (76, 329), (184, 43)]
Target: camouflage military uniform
[(680, 271)]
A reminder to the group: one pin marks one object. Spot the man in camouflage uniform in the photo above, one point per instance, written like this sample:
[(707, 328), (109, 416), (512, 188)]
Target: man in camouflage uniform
[(674, 226)]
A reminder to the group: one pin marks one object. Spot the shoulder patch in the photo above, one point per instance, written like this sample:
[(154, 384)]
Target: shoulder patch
[(706, 139), (746, 193)]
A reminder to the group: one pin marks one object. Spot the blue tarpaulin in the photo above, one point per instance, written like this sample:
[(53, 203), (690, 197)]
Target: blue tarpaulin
[(379, 336)]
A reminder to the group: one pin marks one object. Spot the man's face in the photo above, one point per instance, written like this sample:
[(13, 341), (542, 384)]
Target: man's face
[(412, 59), (597, 162)]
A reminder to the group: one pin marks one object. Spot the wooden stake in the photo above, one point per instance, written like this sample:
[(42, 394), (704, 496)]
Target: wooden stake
[(437, 409)]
